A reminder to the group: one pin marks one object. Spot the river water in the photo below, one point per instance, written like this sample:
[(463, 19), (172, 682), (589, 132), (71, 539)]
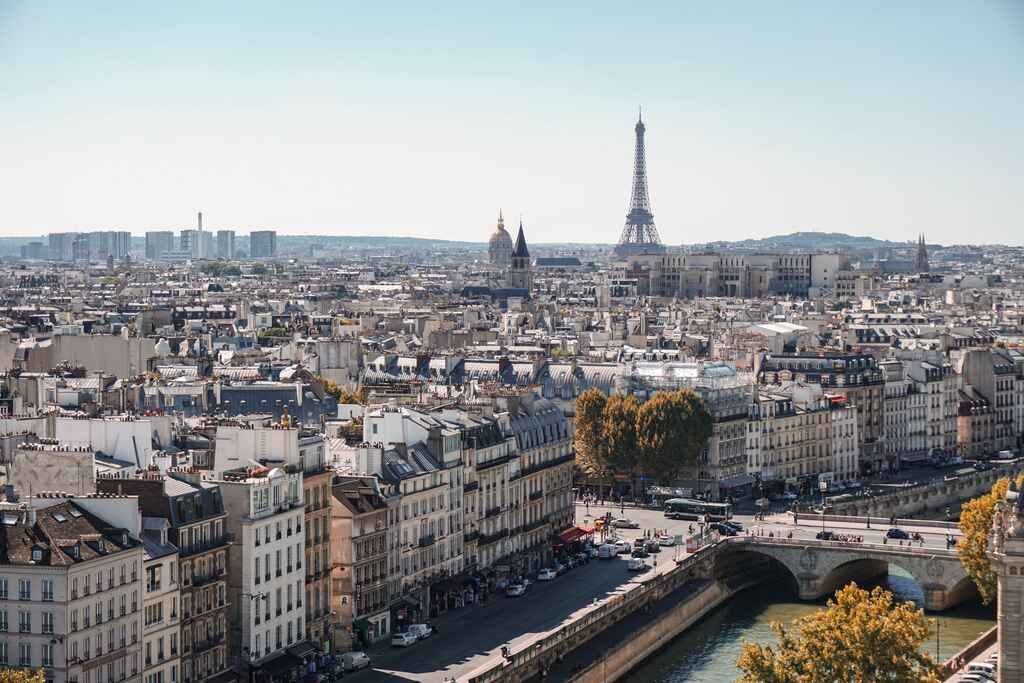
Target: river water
[(708, 651)]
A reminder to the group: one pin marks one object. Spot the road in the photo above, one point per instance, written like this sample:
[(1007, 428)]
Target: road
[(467, 638)]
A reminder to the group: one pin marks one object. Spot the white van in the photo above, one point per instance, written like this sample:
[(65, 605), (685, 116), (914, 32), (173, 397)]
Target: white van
[(606, 552)]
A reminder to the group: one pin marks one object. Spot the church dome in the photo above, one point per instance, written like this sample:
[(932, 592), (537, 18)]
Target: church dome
[(499, 248)]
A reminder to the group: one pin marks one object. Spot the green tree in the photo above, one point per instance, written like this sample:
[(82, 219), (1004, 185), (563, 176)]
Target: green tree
[(976, 517), (618, 436), (859, 637), (588, 438), (259, 269), (672, 429)]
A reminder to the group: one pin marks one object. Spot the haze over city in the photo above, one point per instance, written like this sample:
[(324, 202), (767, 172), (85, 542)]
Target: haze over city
[(881, 119)]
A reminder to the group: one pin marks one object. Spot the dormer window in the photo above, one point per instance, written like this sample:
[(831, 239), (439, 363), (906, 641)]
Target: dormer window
[(37, 555)]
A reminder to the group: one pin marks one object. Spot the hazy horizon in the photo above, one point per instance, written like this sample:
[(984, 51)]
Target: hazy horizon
[(871, 119)]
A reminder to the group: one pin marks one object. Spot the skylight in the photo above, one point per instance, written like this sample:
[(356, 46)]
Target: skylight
[(59, 516), (75, 512)]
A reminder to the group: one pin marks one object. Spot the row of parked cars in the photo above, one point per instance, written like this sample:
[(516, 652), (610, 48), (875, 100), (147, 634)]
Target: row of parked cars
[(412, 635), (981, 671)]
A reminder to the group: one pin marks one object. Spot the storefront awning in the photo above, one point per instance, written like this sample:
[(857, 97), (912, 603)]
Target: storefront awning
[(738, 480), (303, 649), (279, 666), (573, 534)]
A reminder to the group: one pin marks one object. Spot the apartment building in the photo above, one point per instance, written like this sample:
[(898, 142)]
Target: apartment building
[(854, 376), (992, 375), (905, 439), (71, 577), (939, 383), (544, 440), (284, 443), (161, 621), (194, 512), (266, 584), (788, 447), (359, 552)]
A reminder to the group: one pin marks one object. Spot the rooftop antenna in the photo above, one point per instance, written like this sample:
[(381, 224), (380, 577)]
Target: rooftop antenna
[(200, 221)]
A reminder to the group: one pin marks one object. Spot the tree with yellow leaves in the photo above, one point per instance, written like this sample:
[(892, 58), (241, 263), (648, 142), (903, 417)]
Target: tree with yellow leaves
[(976, 518), (22, 676), (859, 637)]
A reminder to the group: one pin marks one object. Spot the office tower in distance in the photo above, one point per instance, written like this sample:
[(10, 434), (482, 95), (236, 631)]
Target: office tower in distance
[(263, 244), (226, 244), (159, 244)]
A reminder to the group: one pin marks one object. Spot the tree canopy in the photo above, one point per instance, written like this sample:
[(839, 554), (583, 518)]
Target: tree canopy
[(22, 676), (345, 396), (589, 415), (976, 517), (618, 433), (659, 438), (859, 637), (672, 429)]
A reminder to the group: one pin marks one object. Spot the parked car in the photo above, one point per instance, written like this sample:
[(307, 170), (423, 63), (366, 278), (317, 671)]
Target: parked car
[(734, 524), (723, 529), (985, 669), (789, 495), (625, 523), (560, 568), (666, 541), (637, 565), (639, 551), (421, 631), (897, 533), (592, 551), (825, 536), (546, 575), (607, 552), (514, 590), (353, 661), (582, 558), (404, 639), (652, 546), (623, 547)]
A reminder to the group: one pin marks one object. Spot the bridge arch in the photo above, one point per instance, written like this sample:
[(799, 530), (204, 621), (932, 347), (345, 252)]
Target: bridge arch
[(819, 568)]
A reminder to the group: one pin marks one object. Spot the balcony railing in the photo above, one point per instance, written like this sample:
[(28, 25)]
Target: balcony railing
[(204, 645), (196, 548), (536, 495), (427, 540), (493, 512), (486, 539), (548, 463)]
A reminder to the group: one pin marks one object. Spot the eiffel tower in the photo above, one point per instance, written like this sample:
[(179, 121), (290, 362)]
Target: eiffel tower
[(639, 236)]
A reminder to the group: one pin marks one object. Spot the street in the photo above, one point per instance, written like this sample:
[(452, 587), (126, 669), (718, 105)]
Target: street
[(469, 637)]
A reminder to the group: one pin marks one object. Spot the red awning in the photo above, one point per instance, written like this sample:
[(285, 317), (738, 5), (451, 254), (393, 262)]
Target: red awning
[(575, 533), (571, 534)]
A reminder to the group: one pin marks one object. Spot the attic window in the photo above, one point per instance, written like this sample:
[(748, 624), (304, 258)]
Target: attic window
[(124, 539), (10, 520), (59, 517), (74, 512), (37, 555)]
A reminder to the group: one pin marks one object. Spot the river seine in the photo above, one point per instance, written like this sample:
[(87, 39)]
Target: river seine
[(707, 652)]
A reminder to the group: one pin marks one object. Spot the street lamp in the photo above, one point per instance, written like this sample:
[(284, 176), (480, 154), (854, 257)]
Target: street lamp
[(822, 486)]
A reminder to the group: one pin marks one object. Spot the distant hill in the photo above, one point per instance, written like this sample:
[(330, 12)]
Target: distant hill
[(808, 240)]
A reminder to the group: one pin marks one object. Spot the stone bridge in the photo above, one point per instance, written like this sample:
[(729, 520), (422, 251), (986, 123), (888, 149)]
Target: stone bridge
[(820, 567)]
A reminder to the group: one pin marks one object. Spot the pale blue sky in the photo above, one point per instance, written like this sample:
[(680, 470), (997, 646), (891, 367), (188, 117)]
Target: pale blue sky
[(879, 118)]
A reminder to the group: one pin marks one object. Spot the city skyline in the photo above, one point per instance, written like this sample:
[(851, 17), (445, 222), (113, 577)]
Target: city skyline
[(349, 121)]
